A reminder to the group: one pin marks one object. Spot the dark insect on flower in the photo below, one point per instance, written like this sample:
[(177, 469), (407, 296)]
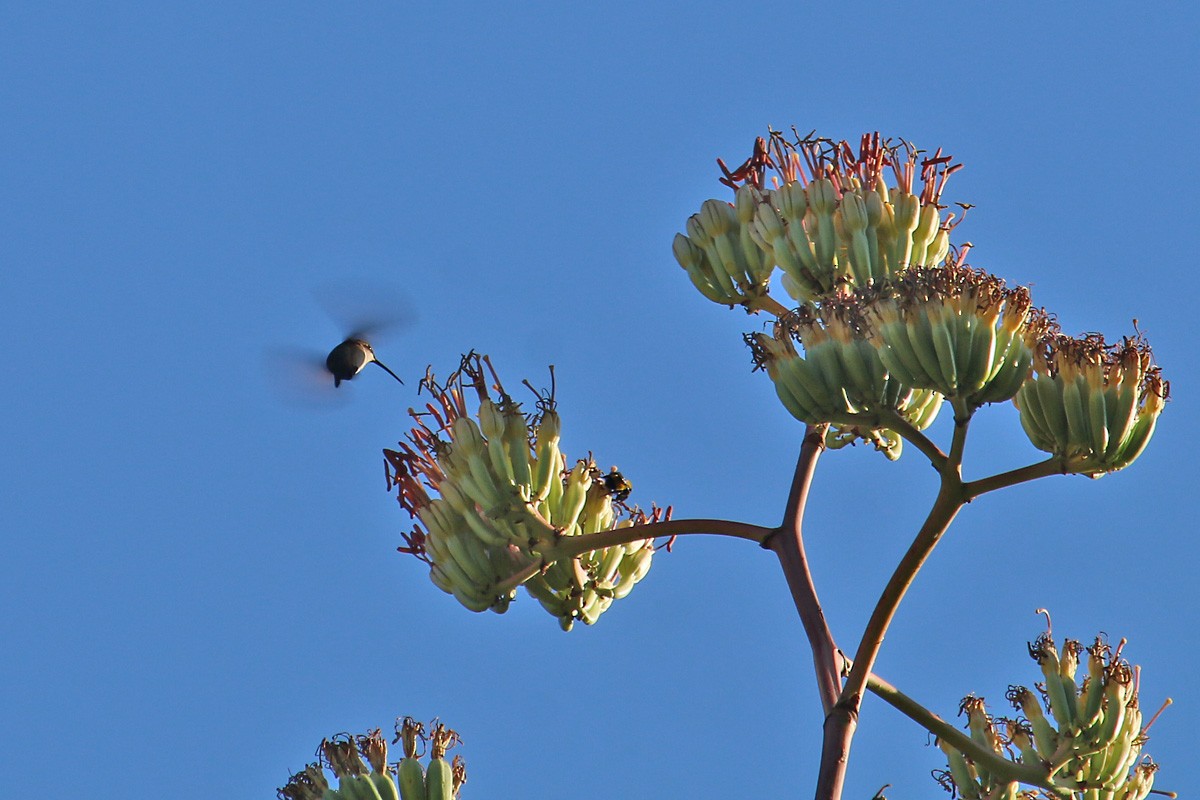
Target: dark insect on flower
[(617, 485)]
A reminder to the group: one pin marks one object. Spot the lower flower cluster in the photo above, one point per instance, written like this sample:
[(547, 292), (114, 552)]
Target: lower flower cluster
[(361, 771), (1088, 746)]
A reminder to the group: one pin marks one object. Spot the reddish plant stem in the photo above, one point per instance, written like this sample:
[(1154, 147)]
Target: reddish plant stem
[(571, 546), (787, 542)]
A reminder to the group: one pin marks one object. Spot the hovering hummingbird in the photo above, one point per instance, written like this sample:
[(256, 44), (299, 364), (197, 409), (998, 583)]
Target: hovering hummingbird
[(300, 376), (348, 359)]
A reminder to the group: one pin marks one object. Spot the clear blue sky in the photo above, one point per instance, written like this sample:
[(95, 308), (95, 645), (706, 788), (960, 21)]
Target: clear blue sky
[(199, 582)]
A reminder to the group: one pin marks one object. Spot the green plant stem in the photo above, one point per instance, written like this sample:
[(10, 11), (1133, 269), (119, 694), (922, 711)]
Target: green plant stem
[(842, 721), (1051, 466), (909, 432), (519, 577), (958, 442), (1000, 767), (787, 542), (768, 304)]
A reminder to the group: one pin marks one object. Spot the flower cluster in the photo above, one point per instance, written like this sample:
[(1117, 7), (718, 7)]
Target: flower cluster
[(892, 319), (831, 221), (498, 508), (1091, 403), (360, 767), (840, 377), (1090, 744)]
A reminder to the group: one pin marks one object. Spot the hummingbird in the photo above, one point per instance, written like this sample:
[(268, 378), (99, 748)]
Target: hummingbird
[(300, 376), (348, 359)]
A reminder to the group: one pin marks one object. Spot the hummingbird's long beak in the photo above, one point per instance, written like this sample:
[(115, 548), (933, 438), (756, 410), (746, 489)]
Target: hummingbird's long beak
[(385, 369)]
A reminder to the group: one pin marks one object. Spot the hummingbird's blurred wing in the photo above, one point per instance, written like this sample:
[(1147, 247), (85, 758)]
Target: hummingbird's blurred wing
[(298, 377), (364, 310)]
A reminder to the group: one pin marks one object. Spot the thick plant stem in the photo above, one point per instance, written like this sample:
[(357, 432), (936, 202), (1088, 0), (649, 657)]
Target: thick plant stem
[(787, 542), (958, 442), (842, 721)]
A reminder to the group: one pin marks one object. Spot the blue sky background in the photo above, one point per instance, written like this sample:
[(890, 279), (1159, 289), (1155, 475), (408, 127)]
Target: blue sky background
[(199, 581)]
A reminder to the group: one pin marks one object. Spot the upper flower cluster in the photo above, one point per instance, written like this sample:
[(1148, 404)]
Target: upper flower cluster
[(892, 319), (831, 220)]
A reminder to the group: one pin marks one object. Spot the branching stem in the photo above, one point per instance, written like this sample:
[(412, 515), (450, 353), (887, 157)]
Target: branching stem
[(768, 304), (909, 432), (842, 721), (958, 442), (787, 542), (1051, 466)]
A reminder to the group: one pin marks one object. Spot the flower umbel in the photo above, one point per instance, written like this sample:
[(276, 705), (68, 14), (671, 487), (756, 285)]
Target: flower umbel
[(1094, 404), (1090, 745), (840, 378), (830, 221), (505, 502), (957, 330), (360, 765)]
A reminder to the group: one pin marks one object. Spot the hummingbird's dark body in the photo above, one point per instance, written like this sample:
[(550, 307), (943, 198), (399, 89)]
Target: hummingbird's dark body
[(348, 359)]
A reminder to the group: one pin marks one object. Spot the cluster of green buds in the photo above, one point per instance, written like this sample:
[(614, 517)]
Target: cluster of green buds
[(721, 253), (956, 330), (360, 767), (497, 507), (841, 377), (1089, 747), (830, 221), (892, 319), (1093, 404)]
